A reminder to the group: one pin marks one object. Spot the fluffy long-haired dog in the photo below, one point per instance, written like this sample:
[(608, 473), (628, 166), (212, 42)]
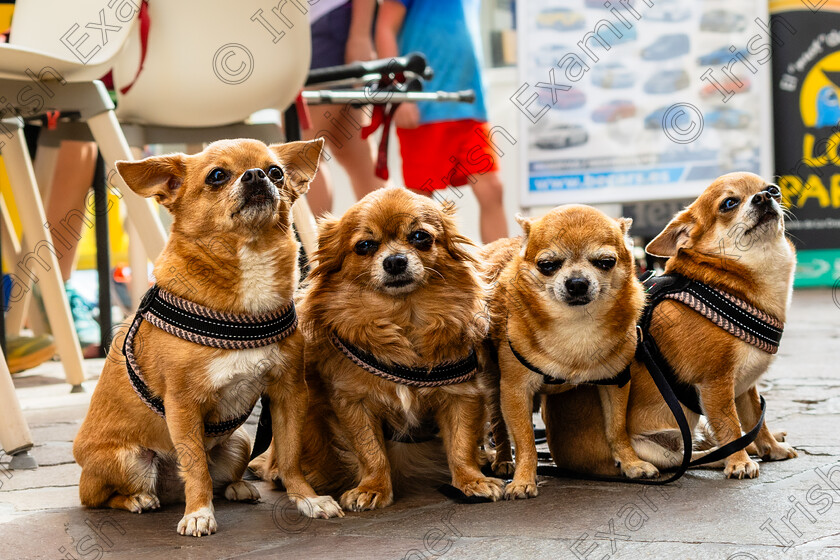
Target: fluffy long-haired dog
[(563, 307), (731, 238), (232, 253), (394, 282)]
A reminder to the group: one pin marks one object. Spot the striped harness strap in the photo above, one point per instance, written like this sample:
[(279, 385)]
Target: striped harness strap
[(195, 323), (446, 373)]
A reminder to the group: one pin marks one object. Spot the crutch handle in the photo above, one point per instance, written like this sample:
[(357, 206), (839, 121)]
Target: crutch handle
[(412, 62)]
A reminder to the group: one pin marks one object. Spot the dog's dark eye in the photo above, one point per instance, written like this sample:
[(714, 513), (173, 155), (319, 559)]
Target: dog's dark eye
[(773, 191), (275, 174), (729, 204), (217, 177), (548, 267), (420, 239), (366, 247), (604, 264)]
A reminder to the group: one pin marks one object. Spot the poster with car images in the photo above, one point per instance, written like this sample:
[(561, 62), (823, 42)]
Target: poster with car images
[(633, 100)]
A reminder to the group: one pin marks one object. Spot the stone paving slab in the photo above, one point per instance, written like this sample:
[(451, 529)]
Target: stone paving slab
[(792, 511)]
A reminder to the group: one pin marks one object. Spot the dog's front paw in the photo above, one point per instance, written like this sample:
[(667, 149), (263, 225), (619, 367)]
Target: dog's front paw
[(143, 501), (738, 468), (779, 452), (520, 491), (490, 488), (319, 507), (639, 469), (504, 469), (362, 499), (241, 491), (197, 523)]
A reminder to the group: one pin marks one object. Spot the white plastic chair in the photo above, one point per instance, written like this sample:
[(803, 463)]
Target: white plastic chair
[(55, 52), (200, 82)]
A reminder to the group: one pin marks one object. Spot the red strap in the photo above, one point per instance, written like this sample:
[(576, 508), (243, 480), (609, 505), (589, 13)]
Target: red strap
[(382, 156), (376, 120), (304, 118), (144, 43), (52, 119)]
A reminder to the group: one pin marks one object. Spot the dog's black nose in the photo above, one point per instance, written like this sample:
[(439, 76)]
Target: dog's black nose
[(577, 286), (253, 176), (395, 264), (762, 198)]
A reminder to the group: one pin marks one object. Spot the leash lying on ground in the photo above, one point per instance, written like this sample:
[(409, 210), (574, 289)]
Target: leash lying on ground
[(193, 322)]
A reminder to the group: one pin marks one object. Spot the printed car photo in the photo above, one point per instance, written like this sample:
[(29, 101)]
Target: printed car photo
[(550, 56), (722, 21), (608, 39), (560, 136), (668, 10), (560, 19), (612, 75), (737, 84), (563, 100), (721, 56), (727, 118), (667, 81), (614, 111), (667, 46), (679, 120)]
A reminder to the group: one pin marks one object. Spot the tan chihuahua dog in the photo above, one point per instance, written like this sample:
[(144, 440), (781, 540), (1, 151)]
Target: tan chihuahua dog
[(231, 253), (731, 238), (563, 309)]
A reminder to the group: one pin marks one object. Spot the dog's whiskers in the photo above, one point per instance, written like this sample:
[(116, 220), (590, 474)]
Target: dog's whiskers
[(430, 269)]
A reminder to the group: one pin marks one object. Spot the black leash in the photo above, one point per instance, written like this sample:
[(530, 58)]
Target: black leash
[(263, 437), (673, 391), (619, 379)]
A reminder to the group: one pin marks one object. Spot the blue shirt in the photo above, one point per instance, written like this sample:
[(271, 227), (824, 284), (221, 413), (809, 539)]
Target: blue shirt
[(447, 32)]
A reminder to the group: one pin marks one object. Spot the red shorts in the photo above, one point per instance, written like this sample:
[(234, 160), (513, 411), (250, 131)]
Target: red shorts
[(437, 155)]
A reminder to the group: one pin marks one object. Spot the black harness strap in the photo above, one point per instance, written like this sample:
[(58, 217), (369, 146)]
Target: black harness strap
[(201, 325), (447, 373), (762, 330), (619, 379)]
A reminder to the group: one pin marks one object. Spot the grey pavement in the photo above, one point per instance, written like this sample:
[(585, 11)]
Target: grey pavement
[(791, 511)]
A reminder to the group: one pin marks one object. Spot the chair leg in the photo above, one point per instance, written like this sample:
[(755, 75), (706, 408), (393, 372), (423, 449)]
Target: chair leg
[(12, 254), (113, 146), (44, 166), (32, 215), (138, 262), (14, 432), (306, 227)]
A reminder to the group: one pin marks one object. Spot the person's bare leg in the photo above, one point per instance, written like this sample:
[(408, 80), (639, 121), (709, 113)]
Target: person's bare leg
[(341, 126), (72, 179), (488, 190)]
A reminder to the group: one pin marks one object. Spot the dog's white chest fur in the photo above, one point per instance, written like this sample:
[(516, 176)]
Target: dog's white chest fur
[(752, 363), (258, 282)]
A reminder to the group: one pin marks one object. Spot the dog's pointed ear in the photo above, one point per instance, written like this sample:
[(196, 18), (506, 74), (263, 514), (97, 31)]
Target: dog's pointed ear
[(329, 255), (300, 162), (675, 236), (452, 240), (160, 177), (524, 222), (624, 225)]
